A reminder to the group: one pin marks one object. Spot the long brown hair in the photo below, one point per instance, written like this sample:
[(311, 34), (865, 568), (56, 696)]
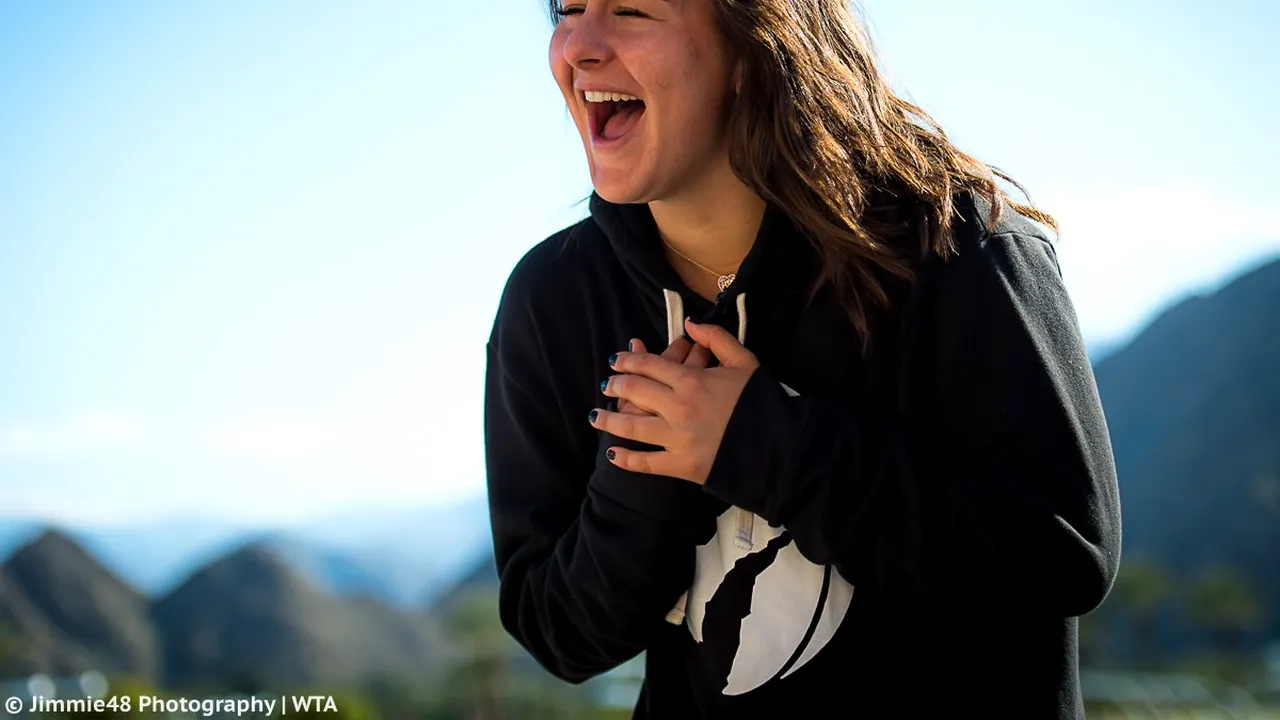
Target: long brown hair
[(817, 131)]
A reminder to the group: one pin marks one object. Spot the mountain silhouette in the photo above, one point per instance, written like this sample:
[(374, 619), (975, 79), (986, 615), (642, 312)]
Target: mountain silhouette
[(405, 555), (1193, 406), (249, 616), (67, 611), (252, 614)]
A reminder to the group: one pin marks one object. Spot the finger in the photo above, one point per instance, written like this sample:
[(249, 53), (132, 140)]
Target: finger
[(635, 345), (699, 357), (650, 395), (641, 428), (678, 351), (724, 346), (626, 406), (659, 462), (654, 367)]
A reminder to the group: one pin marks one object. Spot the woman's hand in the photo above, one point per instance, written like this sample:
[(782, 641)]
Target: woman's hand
[(681, 351), (687, 408)]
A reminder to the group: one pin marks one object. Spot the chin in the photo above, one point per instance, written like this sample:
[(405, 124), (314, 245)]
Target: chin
[(630, 183), (619, 195), (620, 188)]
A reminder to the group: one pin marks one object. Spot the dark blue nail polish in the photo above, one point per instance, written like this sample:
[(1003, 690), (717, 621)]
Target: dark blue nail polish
[(611, 454), (604, 385), (592, 417), (613, 359)]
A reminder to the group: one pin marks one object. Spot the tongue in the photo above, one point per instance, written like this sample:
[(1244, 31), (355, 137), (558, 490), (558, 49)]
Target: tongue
[(622, 120)]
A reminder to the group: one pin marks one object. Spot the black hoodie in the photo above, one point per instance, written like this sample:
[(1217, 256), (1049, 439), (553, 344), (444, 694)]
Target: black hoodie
[(909, 527)]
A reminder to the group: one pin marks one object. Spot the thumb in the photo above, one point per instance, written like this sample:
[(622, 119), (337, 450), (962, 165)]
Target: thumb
[(724, 346)]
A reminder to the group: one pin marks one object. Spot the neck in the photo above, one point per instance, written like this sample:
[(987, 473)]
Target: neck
[(713, 223)]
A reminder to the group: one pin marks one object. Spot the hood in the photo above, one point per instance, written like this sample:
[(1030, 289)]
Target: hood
[(774, 280)]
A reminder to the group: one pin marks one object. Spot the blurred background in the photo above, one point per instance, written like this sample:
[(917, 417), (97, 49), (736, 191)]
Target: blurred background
[(249, 257)]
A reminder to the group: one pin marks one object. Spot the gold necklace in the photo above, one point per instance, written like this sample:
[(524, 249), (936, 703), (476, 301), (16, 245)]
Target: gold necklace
[(723, 281)]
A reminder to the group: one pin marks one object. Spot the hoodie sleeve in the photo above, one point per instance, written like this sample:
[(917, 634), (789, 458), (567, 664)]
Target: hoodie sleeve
[(590, 558), (1005, 494)]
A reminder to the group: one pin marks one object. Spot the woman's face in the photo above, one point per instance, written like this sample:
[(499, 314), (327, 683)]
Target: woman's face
[(647, 83)]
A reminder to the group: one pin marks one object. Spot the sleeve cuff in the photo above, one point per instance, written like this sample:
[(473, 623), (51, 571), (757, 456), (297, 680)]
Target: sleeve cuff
[(755, 453)]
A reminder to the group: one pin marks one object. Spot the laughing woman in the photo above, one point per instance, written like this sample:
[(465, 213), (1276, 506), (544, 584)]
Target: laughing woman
[(801, 410)]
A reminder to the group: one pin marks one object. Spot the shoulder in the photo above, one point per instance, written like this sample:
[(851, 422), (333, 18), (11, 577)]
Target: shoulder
[(551, 277), (555, 261), (1011, 248), (1004, 279)]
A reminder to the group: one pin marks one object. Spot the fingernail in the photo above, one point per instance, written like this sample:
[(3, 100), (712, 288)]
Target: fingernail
[(604, 385), (613, 359), (610, 454), (631, 345), (592, 417)]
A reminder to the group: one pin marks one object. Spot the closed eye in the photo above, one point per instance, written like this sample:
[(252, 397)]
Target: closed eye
[(563, 12)]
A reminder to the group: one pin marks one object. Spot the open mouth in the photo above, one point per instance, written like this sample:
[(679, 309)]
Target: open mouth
[(612, 115)]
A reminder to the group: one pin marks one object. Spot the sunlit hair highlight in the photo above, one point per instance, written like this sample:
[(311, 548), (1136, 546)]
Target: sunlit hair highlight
[(817, 131)]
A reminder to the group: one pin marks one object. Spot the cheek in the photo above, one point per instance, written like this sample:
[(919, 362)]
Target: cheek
[(713, 79), (560, 69), (694, 82)]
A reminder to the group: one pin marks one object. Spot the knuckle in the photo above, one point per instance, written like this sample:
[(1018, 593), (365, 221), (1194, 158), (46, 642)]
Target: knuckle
[(626, 425), (677, 349), (688, 384)]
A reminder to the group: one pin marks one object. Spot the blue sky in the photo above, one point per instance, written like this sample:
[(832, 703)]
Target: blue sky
[(250, 252)]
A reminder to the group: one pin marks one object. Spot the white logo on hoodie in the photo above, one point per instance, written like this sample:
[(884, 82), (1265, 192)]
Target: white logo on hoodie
[(786, 598), (754, 596)]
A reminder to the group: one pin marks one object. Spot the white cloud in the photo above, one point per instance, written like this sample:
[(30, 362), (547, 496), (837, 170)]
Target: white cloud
[(84, 431), (292, 436), (409, 433), (1127, 255), (405, 434)]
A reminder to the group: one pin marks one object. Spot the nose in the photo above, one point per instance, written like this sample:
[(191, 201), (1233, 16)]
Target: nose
[(588, 43)]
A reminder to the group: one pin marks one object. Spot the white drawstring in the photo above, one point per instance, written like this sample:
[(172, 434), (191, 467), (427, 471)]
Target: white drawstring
[(742, 319), (675, 316), (675, 329)]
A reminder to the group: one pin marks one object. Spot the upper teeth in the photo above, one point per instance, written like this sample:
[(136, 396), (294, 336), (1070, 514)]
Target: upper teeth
[(593, 96)]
